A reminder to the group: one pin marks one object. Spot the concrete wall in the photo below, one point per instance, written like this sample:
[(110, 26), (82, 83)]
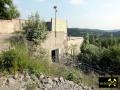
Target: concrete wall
[(77, 41), (10, 26), (61, 25), (51, 43)]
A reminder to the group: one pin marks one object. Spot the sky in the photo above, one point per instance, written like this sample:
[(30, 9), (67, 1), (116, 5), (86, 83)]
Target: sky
[(94, 14)]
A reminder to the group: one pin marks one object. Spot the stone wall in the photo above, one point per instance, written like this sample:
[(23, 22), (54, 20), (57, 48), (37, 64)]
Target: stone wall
[(10, 26)]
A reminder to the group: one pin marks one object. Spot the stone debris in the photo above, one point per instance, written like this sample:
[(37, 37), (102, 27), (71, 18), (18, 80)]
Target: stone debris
[(33, 82)]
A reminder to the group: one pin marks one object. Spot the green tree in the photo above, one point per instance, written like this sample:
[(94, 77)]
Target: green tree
[(35, 29), (8, 10)]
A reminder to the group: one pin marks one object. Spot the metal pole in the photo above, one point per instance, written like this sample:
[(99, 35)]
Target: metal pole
[(55, 7)]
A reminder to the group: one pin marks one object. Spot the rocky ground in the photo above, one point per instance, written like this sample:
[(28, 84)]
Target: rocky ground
[(38, 82)]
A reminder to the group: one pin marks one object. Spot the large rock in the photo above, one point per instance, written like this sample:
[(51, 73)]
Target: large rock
[(41, 77), (61, 79), (50, 81), (11, 81), (20, 77), (55, 79)]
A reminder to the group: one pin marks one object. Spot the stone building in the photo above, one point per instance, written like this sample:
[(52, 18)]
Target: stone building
[(57, 43)]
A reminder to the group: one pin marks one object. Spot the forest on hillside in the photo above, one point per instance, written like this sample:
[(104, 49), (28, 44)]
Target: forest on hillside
[(92, 32), (100, 51)]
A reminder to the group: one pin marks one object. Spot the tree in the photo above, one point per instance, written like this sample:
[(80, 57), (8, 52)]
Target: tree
[(8, 10), (35, 29)]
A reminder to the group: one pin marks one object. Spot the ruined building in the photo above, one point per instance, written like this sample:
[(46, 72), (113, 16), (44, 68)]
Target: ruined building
[(58, 43)]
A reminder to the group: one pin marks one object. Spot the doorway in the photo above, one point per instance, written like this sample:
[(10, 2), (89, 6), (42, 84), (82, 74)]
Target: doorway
[(55, 55)]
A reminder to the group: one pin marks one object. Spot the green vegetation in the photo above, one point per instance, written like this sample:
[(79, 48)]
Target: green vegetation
[(8, 10), (100, 50), (35, 29), (35, 32), (101, 54), (77, 32), (18, 59)]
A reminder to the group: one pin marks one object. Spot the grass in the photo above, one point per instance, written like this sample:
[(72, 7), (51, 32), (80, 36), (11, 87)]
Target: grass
[(37, 66)]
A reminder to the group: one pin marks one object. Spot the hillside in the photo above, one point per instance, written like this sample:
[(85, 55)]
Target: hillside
[(92, 32)]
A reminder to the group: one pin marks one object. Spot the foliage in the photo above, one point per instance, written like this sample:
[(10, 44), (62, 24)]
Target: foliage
[(8, 10), (70, 76), (8, 60), (78, 32), (101, 54), (35, 29), (35, 32)]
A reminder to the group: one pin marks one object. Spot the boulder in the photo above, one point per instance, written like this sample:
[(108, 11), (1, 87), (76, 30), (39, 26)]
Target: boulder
[(61, 79), (10, 81), (15, 76), (50, 81), (55, 79), (41, 77)]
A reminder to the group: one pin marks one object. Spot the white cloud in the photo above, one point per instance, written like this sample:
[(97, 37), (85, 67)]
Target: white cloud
[(76, 2)]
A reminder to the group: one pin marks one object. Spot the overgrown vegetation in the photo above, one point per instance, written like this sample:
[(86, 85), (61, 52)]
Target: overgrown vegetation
[(35, 32), (101, 54), (20, 58)]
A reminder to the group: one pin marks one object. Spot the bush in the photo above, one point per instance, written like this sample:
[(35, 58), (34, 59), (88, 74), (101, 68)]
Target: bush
[(9, 61), (70, 77), (35, 29)]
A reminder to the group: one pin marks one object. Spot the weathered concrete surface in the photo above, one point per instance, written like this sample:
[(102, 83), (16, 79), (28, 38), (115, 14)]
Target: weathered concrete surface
[(74, 41), (10, 26), (58, 42)]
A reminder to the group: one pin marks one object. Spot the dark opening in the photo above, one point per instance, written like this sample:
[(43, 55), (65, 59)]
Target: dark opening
[(55, 55)]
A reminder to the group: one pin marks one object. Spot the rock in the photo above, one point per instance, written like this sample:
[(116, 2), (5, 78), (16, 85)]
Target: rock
[(27, 77), (50, 81), (15, 76), (89, 88), (56, 79), (48, 86), (85, 88), (11, 81), (70, 82), (44, 81), (41, 77), (3, 81), (61, 79), (22, 89), (19, 82), (34, 78), (20, 77)]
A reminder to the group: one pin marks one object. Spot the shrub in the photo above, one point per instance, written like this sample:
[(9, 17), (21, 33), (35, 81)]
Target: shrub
[(35, 29), (9, 60), (70, 77)]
